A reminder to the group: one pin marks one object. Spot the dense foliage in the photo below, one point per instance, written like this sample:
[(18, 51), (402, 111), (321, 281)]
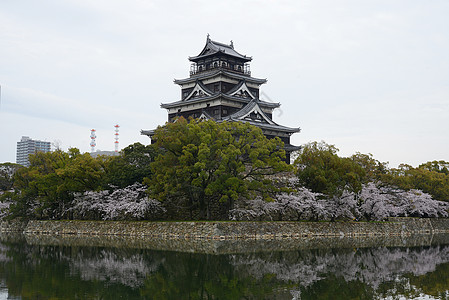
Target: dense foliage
[(131, 166), (44, 189), (199, 170), (431, 177), (48, 187), (319, 168), (323, 171), (205, 164)]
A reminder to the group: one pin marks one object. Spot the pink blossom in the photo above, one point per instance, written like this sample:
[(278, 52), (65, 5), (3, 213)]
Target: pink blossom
[(130, 202)]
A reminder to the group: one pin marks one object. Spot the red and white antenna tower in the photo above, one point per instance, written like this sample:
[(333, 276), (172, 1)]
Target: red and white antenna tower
[(92, 140), (116, 137)]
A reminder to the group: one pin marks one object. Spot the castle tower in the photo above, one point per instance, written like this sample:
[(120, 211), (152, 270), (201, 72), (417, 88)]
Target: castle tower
[(220, 87)]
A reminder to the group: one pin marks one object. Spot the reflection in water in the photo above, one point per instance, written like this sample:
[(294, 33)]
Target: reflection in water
[(81, 272), (114, 267), (372, 267)]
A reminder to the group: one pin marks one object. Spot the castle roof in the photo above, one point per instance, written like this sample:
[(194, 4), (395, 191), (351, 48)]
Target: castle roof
[(213, 47), (253, 114), (216, 96), (217, 72)]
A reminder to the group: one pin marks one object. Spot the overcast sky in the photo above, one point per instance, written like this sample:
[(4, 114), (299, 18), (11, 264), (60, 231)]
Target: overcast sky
[(368, 76)]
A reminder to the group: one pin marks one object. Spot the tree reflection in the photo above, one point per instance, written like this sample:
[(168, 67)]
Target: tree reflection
[(73, 272)]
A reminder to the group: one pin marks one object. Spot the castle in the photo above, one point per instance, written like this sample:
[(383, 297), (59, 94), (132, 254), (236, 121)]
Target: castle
[(220, 87)]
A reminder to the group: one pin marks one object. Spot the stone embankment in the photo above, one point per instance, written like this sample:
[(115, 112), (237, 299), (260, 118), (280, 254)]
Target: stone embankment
[(232, 230)]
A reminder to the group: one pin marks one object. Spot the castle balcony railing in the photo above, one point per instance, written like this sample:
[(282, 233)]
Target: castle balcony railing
[(195, 69)]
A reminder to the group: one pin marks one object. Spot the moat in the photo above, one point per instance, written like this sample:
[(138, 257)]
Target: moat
[(101, 267)]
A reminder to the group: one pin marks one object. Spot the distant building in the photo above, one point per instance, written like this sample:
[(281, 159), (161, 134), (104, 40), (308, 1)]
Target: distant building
[(221, 88), (27, 146)]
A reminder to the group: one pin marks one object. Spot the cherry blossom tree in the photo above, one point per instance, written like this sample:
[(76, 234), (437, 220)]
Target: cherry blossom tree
[(380, 202), (4, 209), (7, 171), (416, 203), (343, 206), (130, 202), (374, 202), (302, 204), (256, 209)]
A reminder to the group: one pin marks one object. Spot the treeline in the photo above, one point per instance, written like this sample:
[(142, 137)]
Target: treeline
[(329, 187), (321, 169), (201, 170)]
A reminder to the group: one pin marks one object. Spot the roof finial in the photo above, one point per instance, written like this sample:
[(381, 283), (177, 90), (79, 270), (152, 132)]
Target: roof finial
[(232, 44), (208, 37)]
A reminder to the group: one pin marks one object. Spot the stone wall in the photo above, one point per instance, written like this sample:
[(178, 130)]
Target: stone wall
[(233, 230), (230, 246), (13, 226)]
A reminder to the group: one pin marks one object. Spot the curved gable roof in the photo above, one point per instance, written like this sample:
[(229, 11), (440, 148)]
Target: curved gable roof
[(241, 90), (263, 121), (213, 47), (198, 90), (251, 107)]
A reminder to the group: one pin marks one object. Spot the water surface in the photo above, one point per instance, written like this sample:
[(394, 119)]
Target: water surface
[(42, 268)]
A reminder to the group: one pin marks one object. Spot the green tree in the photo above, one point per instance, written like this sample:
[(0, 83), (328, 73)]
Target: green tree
[(374, 169), (206, 163), (47, 186), (131, 166), (320, 169), (436, 166), (430, 177)]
